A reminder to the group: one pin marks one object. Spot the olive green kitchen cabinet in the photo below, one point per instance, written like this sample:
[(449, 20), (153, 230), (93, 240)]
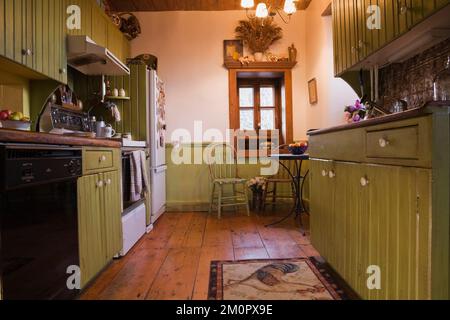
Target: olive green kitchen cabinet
[(99, 213), (354, 42), (364, 215), (33, 34), (379, 197), (32, 39)]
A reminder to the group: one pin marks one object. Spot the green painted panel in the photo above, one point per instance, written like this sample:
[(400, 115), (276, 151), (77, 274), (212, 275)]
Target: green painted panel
[(46, 37), (90, 225), (113, 214), (441, 205), (3, 32), (390, 20), (188, 185), (39, 36), (18, 30)]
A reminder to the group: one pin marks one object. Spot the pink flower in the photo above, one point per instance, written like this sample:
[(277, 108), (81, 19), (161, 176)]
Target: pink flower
[(356, 118)]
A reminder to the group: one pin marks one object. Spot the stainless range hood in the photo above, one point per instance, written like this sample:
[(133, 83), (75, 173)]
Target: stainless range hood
[(91, 59)]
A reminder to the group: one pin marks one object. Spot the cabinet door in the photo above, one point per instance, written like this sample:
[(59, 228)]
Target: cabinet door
[(338, 38), (321, 202), (347, 214), (12, 14), (99, 26), (91, 226), (112, 212), (398, 225)]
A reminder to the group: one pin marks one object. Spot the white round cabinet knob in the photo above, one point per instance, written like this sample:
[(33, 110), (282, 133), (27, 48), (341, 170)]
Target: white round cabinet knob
[(332, 174), (324, 173), (108, 182), (102, 158), (364, 181), (99, 184), (383, 142)]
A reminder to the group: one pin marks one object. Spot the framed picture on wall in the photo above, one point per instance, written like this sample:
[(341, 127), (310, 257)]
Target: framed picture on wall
[(312, 89), (233, 49)]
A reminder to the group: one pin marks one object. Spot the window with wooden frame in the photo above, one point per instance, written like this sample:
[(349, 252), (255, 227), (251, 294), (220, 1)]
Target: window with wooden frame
[(260, 101), (259, 104)]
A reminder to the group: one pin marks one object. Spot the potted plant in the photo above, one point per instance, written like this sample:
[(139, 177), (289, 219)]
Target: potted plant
[(257, 185), (258, 35)]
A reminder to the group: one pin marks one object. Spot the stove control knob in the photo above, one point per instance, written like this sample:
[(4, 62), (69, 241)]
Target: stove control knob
[(74, 166)]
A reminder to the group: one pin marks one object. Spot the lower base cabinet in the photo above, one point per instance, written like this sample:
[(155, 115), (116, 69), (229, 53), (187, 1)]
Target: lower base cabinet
[(364, 216), (99, 221)]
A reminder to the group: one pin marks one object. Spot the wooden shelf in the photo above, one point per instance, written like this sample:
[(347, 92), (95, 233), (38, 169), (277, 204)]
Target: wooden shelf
[(260, 65), (117, 98)]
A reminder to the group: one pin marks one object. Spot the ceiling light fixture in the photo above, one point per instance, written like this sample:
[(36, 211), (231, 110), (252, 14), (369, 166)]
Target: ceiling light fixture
[(265, 9), (261, 10)]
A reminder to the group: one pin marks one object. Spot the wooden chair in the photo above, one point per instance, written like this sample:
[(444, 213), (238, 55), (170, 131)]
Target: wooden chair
[(223, 172), (280, 178)]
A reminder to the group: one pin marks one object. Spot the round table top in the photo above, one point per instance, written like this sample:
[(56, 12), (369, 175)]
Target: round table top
[(289, 156)]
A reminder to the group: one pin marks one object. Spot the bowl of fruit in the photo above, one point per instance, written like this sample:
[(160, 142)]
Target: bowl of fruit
[(298, 148), (14, 120)]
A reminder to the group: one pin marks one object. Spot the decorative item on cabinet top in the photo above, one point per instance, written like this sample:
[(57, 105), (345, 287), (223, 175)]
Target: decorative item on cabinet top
[(128, 23), (145, 59)]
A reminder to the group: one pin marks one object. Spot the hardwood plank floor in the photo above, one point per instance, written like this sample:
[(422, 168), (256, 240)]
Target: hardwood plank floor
[(173, 261)]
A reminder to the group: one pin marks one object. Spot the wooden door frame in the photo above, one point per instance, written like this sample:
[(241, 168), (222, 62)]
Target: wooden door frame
[(234, 122)]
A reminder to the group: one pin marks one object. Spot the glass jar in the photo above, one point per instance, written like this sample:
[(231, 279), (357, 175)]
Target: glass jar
[(442, 83)]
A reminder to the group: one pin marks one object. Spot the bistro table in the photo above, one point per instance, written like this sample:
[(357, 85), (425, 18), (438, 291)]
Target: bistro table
[(298, 182)]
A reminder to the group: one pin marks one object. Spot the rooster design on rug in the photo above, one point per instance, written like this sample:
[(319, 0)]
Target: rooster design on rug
[(270, 279)]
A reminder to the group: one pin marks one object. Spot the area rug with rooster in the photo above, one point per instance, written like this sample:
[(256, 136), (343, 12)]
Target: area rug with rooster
[(284, 279)]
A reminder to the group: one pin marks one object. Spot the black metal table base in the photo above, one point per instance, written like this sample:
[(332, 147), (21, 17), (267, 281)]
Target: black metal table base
[(298, 182)]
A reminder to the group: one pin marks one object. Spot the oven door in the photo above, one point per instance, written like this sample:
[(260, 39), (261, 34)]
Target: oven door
[(39, 240), (126, 182)]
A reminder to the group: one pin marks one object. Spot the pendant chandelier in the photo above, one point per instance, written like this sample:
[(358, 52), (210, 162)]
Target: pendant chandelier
[(265, 9)]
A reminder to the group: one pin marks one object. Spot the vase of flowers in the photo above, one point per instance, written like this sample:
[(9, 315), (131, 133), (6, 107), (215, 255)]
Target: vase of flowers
[(355, 113), (258, 35), (258, 186)]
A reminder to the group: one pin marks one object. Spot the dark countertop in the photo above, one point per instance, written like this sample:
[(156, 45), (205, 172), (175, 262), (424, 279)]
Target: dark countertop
[(8, 135), (413, 113)]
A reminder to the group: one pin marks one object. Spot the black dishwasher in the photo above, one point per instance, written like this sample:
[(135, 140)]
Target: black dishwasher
[(38, 221)]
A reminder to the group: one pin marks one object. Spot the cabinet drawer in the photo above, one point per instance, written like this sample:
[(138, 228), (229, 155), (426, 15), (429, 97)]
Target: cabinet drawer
[(95, 160), (400, 143)]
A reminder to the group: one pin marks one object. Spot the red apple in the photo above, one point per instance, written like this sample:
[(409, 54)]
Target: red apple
[(9, 112), (4, 115)]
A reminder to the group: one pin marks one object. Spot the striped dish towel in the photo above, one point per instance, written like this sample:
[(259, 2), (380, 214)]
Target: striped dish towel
[(139, 175)]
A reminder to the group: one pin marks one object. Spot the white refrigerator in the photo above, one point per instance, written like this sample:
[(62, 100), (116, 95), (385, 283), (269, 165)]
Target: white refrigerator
[(156, 104)]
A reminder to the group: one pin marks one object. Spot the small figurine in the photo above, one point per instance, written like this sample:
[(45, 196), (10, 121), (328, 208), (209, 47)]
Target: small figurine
[(246, 60), (292, 53)]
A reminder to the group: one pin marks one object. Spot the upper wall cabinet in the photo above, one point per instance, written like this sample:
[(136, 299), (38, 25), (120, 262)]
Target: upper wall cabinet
[(34, 34), (31, 38), (362, 27)]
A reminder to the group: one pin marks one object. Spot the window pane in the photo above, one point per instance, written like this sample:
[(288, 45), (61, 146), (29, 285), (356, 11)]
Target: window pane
[(246, 97), (247, 120), (267, 119), (267, 97)]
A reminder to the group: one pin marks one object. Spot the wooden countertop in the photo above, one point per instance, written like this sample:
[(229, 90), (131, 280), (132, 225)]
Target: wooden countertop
[(8, 135), (413, 113)]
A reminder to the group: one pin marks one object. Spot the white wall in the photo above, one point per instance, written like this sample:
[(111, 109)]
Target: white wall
[(333, 93), (189, 46)]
